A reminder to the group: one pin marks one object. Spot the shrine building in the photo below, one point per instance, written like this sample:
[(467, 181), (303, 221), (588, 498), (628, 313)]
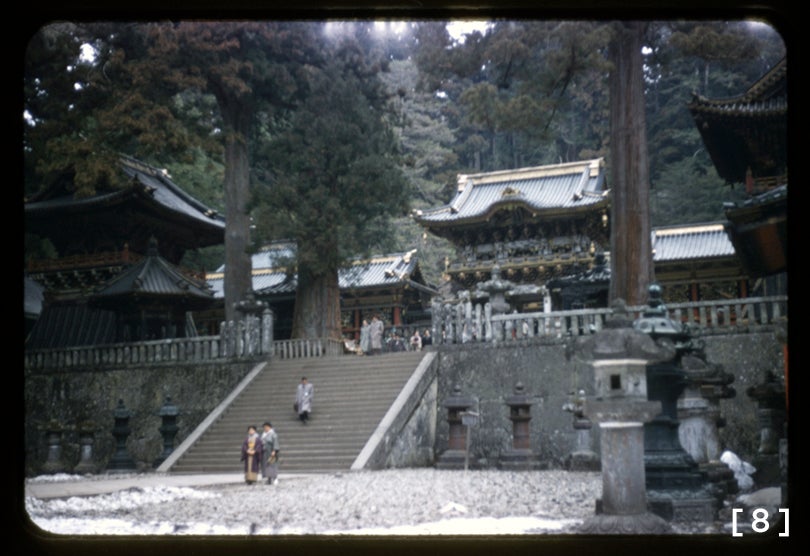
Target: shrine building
[(535, 224), (746, 137), (391, 286), (116, 276)]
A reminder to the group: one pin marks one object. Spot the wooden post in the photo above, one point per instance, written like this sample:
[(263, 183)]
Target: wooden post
[(631, 245)]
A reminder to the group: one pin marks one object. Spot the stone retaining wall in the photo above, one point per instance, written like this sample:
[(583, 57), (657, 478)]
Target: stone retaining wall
[(489, 376), (483, 372), (77, 398)]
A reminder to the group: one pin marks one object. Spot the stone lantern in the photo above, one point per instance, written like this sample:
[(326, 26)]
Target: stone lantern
[(676, 488), (53, 436), (168, 413), (497, 287), (619, 355), (700, 418), (87, 433), (121, 460), (455, 457), (582, 458), (520, 456), (257, 324), (769, 396)]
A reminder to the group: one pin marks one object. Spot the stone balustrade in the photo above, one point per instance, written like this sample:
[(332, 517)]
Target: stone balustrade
[(452, 323), (250, 338), (464, 321)]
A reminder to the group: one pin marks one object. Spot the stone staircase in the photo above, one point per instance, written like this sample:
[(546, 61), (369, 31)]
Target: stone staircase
[(352, 394)]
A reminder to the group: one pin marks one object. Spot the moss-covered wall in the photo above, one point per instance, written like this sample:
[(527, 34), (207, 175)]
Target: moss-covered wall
[(71, 400), (488, 376)]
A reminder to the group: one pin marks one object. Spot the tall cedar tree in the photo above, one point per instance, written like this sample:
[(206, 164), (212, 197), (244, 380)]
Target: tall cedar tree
[(631, 247), (124, 102), (248, 66), (337, 183)]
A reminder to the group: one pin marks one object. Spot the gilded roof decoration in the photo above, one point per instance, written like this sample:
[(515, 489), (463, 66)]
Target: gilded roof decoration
[(566, 187)]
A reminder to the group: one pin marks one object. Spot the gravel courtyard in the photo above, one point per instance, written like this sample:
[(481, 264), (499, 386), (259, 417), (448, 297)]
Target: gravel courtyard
[(391, 502)]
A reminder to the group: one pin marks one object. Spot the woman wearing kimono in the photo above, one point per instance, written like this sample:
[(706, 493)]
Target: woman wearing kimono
[(365, 338), (270, 453), (252, 455)]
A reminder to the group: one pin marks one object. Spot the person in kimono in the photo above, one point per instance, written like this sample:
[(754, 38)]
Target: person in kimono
[(365, 338), (269, 453), (416, 341), (303, 399), (376, 333), (252, 455)]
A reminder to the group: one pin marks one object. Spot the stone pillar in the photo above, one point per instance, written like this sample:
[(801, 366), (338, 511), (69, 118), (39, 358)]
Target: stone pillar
[(121, 460), (436, 320), (520, 456), (87, 434), (456, 454), (168, 414), (53, 436), (619, 355), (227, 339), (267, 331)]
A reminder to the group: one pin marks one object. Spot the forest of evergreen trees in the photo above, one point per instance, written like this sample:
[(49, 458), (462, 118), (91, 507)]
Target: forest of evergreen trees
[(329, 133)]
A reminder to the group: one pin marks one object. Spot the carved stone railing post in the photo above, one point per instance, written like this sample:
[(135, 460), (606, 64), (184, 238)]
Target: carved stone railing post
[(267, 331)]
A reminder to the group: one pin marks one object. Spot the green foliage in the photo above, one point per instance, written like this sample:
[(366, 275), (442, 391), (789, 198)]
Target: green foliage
[(689, 191), (336, 158), (335, 180), (526, 93)]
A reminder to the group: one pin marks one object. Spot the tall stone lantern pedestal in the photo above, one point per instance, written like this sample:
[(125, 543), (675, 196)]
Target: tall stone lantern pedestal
[(121, 461), (619, 355), (456, 456), (521, 456)]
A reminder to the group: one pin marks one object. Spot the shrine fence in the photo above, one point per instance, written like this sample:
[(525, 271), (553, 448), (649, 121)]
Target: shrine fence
[(248, 339), (467, 322), (252, 338)]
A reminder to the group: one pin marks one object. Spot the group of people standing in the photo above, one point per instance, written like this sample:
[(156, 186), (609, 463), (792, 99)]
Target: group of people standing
[(260, 454), (260, 451), (371, 339), (371, 336)]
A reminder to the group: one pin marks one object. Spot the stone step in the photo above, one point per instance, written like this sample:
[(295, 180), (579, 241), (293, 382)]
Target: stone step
[(352, 395)]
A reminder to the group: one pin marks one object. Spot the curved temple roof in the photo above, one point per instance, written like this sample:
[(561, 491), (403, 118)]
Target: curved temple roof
[(382, 271), (691, 241), (576, 185), (163, 208), (153, 276)]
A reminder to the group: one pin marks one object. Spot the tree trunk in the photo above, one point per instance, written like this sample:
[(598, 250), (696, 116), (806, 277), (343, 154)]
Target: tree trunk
[(317, 305), (238, 278), (631, 246)]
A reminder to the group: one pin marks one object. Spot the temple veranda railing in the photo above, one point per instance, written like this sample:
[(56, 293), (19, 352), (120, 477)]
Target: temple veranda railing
[(462, 322), (465, 321), (247, 339)]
